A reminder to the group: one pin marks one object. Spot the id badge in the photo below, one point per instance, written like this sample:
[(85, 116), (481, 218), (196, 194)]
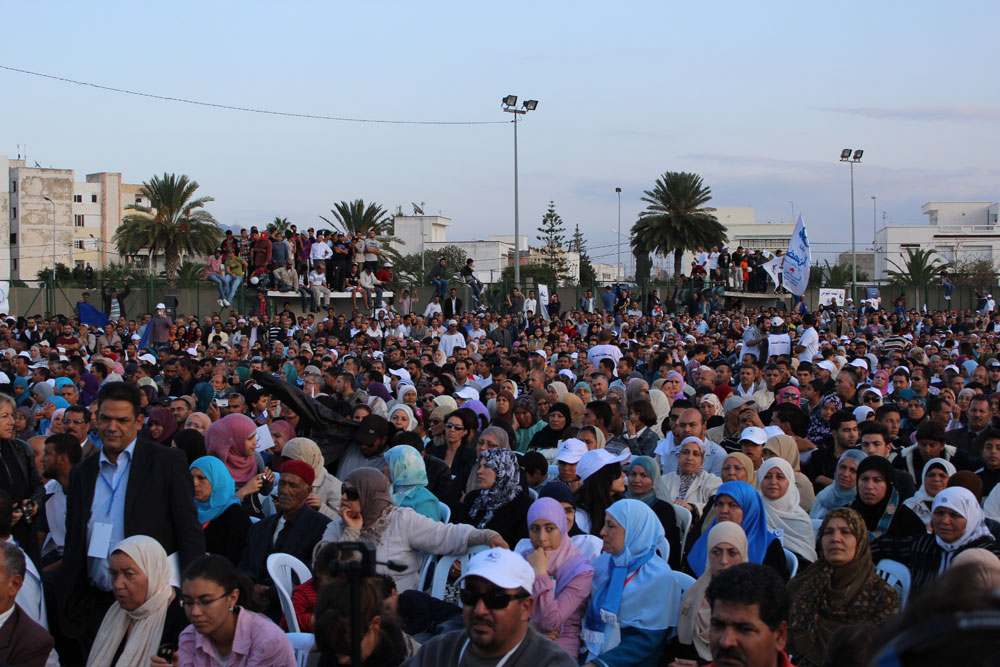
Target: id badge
[(100, 541)]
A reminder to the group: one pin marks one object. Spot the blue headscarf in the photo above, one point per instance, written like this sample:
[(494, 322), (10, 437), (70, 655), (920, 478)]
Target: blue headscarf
[(223, 488), (653, 597), (407, 472), (754, 524), (57, 401), (833, 496), (59, 383), (203, 394), (26, 396)]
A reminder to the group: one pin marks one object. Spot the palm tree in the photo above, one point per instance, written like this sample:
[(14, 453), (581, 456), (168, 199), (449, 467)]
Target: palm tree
[(191, 272), (174, 223), (279, 226), (677, 218), (920, 267), (355, 217)]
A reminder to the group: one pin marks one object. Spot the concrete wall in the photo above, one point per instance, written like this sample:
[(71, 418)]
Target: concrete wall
[(35, 247), (5, 219)]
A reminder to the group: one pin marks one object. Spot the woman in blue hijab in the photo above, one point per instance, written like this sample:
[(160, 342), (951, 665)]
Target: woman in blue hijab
[(220, 513), (741, 503), (51, 404), (409, 482), (635, 598), (22, 396)]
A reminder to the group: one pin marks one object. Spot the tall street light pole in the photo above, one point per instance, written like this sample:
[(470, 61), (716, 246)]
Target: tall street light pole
[(846, 156), (619, 192), (510, 106), (874, 219), (53, 240)]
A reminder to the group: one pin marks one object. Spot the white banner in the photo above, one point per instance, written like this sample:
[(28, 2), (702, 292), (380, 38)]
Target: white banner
[(778, 344), (5, 297), (827, 296), (795, 269), (543, 301), (773, 268)]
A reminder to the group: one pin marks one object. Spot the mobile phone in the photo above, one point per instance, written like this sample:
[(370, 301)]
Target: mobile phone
[(166, 651), (222, 402)]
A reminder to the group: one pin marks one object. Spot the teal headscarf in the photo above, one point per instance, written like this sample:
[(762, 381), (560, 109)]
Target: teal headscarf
[(203, 394), (223, 488), (291, 375), (653, 471), (59, 383), (243, 373), (406, 471)]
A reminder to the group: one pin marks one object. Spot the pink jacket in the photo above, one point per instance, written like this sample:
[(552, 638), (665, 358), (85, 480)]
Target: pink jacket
[(565, 612), (258, 643)]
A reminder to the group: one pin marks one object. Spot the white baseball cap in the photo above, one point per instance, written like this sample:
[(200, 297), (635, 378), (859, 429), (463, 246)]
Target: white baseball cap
[(860, 363), (777, 322), (571, 450), (754, 434), (596, 459), (401, 373), (160, 306), (468, 393), (502, 568), (826, 364)]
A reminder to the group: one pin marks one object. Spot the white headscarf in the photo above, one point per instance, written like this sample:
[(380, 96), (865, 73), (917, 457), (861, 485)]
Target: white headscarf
[(402, 407), (786, 515), (961, 500), (921, 501), (146, 622)]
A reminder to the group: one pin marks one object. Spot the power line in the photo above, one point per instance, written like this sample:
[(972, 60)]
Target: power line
[(231, 107)]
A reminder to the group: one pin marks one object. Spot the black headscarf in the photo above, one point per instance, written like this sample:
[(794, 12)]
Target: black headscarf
[(889, 516), (548, 437), (192, 443)]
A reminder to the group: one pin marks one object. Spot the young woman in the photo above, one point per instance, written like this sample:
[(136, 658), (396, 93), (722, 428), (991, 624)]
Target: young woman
[(220, 513), (645, 484), (233, 439), (559, 422), (601, 486), (781, 502), (408, 475)]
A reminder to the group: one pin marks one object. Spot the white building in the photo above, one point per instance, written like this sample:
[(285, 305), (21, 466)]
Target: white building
[(742, 229), (958, 231), (606, 273)]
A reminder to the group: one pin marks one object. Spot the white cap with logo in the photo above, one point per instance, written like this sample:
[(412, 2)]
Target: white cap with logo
[(502, 568)]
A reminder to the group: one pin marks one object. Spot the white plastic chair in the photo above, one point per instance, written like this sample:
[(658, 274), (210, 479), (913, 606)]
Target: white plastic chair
[(302, 644), (896, 575), (683, 518), (792, 562), (443, 566), (663, 549), (425, 571), (281, 567), (445, 512)]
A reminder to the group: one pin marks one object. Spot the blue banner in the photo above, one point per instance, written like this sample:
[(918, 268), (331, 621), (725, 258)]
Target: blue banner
[(91, 316)]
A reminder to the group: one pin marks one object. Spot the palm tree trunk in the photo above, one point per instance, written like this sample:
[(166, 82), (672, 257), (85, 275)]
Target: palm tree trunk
[(173, 260), (678, 259)]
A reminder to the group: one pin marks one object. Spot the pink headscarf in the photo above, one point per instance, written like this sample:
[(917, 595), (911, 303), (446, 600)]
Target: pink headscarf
[(680, 394), (226, 439), (885, 388), (566, 562), (285, 428)]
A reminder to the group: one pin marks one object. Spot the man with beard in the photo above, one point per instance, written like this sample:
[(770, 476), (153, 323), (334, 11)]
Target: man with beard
[(749, 623)]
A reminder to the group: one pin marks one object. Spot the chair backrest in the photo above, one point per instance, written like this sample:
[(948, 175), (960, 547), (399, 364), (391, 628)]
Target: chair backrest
[(303, 644), (443, 567), (445, 512), (683, 517), (792, 562), (663, 549), (426, 569), (684, 581), (895, 574), (281, 567), (533, 494)]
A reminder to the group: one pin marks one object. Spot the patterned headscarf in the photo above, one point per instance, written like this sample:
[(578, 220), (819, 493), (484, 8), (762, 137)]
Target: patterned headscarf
[(819, 428), (406, 470), (504, 489)]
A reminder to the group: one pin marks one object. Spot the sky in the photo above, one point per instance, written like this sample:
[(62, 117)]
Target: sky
[(757, 98)]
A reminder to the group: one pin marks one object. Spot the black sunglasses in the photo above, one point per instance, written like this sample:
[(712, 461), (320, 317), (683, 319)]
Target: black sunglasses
[(493, 599), (350, 493)]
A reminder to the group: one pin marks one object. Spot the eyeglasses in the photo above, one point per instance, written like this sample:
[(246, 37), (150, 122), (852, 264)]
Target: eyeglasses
[(872, 399), (493, 599), (455, 427), (73, 422), (350, 493), (188, 603)]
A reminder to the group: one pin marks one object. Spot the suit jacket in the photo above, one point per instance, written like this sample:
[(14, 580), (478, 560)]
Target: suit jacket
[(450, 310), (298, 538), (159, 502), (966, 441), (24, 643), (88, 449)]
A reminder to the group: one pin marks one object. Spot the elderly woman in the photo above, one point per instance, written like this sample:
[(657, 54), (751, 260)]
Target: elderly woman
[(935, 475), (583, 392), (408, 474), (325, 496), (711, 410), (844, 489), (781, 502), (233, 439), (501, 503), (527, 423), (145, 613), (563, 575), (556, 391), (220, 513), (727, 546), (646, 485), (367, 512), (841, 588), (784, 446), (634, 598), (691, 486), (198, 421)]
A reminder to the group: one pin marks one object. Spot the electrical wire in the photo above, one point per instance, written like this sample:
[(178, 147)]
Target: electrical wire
[(231, 107)]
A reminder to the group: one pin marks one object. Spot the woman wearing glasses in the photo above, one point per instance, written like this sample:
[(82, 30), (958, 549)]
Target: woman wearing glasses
[(367, 512), (458, 450), (224, 629)]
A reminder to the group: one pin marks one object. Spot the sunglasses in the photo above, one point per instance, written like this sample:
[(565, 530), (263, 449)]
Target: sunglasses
[(492, 599), (350, 494), (872, 399), (454, 427)]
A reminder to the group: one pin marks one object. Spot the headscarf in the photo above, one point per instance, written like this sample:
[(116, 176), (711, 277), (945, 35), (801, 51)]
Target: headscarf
[(653, 599), (57, 415), (501, 436), (504, 489), (922, 501), (661, 407), (659, 490), (223, 489), (549, 437), (191, 442), (680, 393), (986, 564), (380, 390), (696, 612), (713, 400), (482, 414), (633, 390), (291, 375), (243, 373), (29, 431), (307, 451), (407, 472), (59, 383), (786, 448), (164, 418), (527, 403), (203, 395), (960, 500), (42, 390), (786, 515), (784, 391), (411, 420), (285, 428), (91, 384), (201, 418), (819, 428), (226, 440), (144, 626), (833, 496), (446, 402), (376, 501), (565, 562), (754, 524), (378, 406), (826, 598), (57, 401), (577, 411), (878, 517), (585, 386), (886, 386), (747, 465), (151, 394), (560, 389)]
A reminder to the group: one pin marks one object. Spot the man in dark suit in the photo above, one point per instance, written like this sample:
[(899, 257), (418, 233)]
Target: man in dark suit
[(23, 642), (451, 306), (132, 487), (76, 421), (968, 438), (294, 529)]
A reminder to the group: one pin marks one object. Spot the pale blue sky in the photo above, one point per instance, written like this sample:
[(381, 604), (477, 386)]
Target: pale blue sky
[(758, 98)]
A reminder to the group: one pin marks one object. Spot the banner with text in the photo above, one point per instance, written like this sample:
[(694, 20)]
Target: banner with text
[(795, 268)]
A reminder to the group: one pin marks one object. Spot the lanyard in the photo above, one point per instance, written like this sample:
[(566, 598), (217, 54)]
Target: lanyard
[(504, 659), (114, 489)]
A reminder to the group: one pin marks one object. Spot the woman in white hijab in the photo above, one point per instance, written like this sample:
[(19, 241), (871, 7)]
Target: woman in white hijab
[(781, 501), (134, 626), (935, 480), (556, 391), (378, 406), (661, 407), (402, 417)]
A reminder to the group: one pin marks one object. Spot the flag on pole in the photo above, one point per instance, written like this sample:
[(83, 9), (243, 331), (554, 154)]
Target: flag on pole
[(90, 316), (795, 268), (144, 339)]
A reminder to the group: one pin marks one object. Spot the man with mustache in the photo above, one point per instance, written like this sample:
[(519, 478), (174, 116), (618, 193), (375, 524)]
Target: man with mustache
[(749, 625)]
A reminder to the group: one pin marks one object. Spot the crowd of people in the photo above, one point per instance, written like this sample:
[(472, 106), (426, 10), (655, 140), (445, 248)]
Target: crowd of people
[(637, 488)]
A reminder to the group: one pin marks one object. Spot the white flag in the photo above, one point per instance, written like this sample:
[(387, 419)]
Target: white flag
[(795, 268), (773, 268)]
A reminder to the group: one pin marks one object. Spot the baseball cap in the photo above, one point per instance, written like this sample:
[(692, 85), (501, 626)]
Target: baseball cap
[(826, 364), (371, 429), (736, 402), (502, 568), (777, 322), (596, 459), (401, 373), (453, 323), (860, 363), (571, 450), (148, 358), (754, 434), (160, 306), (468, 393)]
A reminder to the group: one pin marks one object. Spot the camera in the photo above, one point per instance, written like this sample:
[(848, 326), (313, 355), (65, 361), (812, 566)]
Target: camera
[(28, 508), (166, 651), (354, 558)]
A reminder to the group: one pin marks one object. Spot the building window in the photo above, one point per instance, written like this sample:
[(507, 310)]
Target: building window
[(78, 220), (138, 200), (78, 198), (79, 263), (78, 244), (13, 239), (93, 199)]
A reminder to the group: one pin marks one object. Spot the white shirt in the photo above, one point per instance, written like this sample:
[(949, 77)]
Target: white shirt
[(531, 305), (598, 352), (317, 279), (713, 261), (55, 515), (30, 598), (320, 250), (810, 341), (431, 310), (702, 258), (450, 341)]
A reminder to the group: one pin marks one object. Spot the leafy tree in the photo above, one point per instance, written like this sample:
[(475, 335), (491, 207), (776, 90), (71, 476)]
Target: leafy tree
[(279, 226), (63, 273), (974, 273), (677, 218), (920, 267), (551, 234), (578, 244), (408, 267), (540, 273), (836, 275), (357, 218), (191, 272), (174, 223)]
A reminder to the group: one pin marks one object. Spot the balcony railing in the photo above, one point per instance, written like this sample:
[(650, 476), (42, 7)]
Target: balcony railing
[(966, 229)]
